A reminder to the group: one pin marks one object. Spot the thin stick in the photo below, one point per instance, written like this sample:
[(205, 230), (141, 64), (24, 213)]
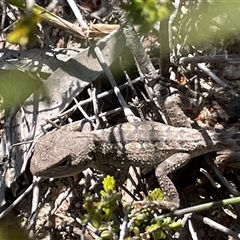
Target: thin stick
[(217, 226)]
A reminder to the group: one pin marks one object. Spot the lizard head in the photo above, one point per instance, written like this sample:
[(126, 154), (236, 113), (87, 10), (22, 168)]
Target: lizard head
[(61, 154)]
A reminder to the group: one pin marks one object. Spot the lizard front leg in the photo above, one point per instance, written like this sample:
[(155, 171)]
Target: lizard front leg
[(174, 106), (174, 162)]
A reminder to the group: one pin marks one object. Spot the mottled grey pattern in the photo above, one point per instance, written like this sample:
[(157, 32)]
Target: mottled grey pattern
[(62, 153)]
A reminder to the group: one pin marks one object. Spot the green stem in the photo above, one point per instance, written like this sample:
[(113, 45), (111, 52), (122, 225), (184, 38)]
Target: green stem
[(202, 207)]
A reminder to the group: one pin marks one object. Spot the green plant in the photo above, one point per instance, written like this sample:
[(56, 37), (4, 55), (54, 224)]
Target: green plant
[(100, 212), (142, 220), (147, 12)]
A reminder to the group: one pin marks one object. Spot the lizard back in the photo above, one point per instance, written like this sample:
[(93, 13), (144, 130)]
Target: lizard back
[(149, 143), (62, 153)]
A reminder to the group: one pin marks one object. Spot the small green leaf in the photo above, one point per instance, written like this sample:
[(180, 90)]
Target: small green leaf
[(108, 183), (103, 227), (152, 227), (105, 235), (176, 224), (95, 223), (25, 30), (146, 13), (159, 235), (156, 195), (18, 3)]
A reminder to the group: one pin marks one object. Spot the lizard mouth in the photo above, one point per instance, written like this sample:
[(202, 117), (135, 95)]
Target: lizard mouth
[(61, 170)]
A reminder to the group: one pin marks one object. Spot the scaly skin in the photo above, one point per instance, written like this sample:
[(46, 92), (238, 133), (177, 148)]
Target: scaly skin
[(63, 153)]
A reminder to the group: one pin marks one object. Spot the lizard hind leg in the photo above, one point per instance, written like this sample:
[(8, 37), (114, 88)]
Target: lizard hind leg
[(174, 162)]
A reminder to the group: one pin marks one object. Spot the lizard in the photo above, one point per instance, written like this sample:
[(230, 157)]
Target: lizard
[(63, 153)]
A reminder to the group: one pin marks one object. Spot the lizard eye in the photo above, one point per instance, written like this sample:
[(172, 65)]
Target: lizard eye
[(65, 162)]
